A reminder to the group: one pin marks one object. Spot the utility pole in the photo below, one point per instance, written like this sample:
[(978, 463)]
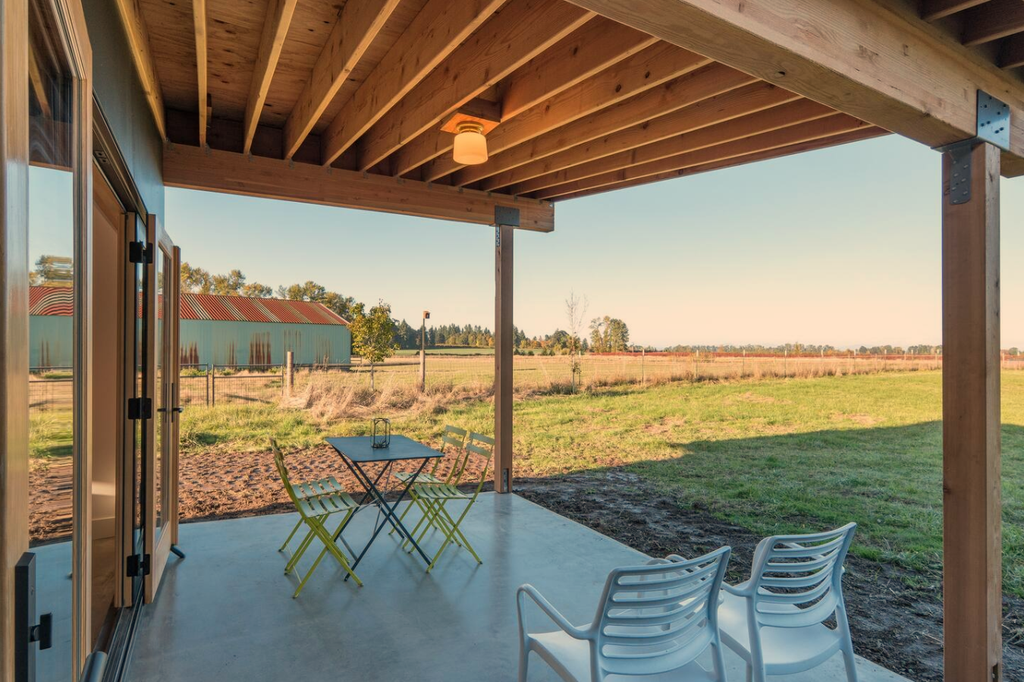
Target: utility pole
[(423, 351)]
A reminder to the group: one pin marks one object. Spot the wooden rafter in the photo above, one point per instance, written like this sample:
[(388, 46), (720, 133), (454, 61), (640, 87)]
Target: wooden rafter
[(858, 64), (234, 173), (754, 109), (829, 126), (992, 21), (1011, 52), (845, 138), (933, 10), (439, 28), (275, 30), (509, 39), (357, 27), (598, 45), (142, 55), (674, 95), (643, 71), (199, 27)]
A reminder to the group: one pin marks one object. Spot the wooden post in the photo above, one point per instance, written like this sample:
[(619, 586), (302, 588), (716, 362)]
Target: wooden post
[(213, 385), (289, 373), (505, 221), (972, 567)]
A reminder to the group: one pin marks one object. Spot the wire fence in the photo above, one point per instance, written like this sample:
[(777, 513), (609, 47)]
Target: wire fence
[(210, 385)]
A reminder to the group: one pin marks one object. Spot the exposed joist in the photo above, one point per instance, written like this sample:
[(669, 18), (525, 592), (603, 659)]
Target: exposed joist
[(992, 21), (358, 25), (876, 61), (512, 37), (674, 95), (933, 10), (199, 28), (142, 55), (845, 138), (275, 30), (234, 173), (439, 28), (1011, 52), (695, 130), (836, 124), (643, 71), (598, 45)]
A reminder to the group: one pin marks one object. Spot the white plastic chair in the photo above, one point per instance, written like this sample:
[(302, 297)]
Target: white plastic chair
[(652, 619), (774, 621)]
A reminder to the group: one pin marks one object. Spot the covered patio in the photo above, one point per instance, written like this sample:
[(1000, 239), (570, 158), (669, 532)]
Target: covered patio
[(226, 612)]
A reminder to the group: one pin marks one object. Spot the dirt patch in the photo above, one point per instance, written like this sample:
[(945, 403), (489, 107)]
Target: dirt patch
[(861, 419), (751, 397), (894, 625), (664, 425)]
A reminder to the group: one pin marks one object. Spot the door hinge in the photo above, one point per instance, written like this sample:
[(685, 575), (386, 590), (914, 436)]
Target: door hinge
[(140, 408), (140, 252), (138, 565)]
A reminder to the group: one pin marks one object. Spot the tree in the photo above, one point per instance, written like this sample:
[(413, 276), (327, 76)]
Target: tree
[(256, 290), (195, 280), (230, 284), (373, 335), (608, 335), (53, 271)]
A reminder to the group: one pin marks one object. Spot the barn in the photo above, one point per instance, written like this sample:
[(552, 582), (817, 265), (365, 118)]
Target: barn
[(219, 330)]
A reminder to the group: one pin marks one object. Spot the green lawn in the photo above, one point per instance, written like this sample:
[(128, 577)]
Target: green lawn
[(774, 456)]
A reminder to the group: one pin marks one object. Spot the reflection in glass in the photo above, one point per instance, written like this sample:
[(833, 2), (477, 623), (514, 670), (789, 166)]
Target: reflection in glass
[(52, 117)]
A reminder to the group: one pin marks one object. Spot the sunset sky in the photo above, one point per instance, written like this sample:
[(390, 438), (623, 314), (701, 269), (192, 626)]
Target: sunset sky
[(839, 247)]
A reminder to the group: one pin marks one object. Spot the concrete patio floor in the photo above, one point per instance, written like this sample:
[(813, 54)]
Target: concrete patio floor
[(226, 612)]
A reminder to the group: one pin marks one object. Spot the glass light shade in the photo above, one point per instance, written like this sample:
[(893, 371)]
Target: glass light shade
[(470, 147)]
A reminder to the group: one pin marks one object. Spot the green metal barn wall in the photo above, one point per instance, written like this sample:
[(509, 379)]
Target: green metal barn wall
[(263, 343), (208, 341)]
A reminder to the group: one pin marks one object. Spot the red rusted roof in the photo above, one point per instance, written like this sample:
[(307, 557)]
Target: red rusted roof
[(59, 301)]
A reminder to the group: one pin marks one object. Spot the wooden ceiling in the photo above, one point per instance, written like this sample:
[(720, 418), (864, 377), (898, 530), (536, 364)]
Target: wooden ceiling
[(994, 27), (586, 104)]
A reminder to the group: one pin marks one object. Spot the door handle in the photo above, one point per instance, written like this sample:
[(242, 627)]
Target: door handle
[(27, 632)]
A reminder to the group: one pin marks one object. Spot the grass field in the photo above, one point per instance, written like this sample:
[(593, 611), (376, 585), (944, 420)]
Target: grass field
[(447, 351), (773, 455)]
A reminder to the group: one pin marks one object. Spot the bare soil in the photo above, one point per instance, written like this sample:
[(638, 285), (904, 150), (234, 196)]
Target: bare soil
[(895, 613)]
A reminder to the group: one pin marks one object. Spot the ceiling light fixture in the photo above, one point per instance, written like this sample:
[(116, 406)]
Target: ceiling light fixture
[(470, 144)]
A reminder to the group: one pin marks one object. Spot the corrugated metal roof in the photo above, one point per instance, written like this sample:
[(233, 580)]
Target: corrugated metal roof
[(60, 301)]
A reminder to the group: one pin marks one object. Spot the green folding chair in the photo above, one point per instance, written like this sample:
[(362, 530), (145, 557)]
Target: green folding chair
[(455, 437), (314, 512), (434, 498), (311, 489)]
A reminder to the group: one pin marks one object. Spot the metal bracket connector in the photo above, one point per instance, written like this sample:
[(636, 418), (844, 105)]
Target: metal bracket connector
[(960, 175), (993, 127)]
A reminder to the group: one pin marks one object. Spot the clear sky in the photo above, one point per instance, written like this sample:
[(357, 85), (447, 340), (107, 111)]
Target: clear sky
[(838, 246)]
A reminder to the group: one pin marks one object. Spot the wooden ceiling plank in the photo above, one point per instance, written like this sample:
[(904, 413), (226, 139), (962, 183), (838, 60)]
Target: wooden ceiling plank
[(693, 131), (851, 55), (835, 124), (992, 21), (676, 94), (845, 138), (275, 30), (142, 55), (359, 23), (509, 39), (234, 173), (598, 45), (199, 27), (644, 71), (1011, 52), (439, 28), (933, 10)]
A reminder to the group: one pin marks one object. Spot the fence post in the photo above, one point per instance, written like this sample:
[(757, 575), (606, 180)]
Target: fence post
[(289, 373), (213, 385), (207, 383), (643, 374)]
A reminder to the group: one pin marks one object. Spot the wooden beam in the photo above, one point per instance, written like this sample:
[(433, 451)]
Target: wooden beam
[(142, 55), (275, 30), (972, 510), (688, 139), (733, 104), (993, 21), (643, 71), (439, 28), (933, 10), (676, 94), (1011, 52), (503, 358), (358, 25), (846, 138), (234, 173), (876, 61), (598, 45), (512, 37), (836, 124), (199, 26)]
